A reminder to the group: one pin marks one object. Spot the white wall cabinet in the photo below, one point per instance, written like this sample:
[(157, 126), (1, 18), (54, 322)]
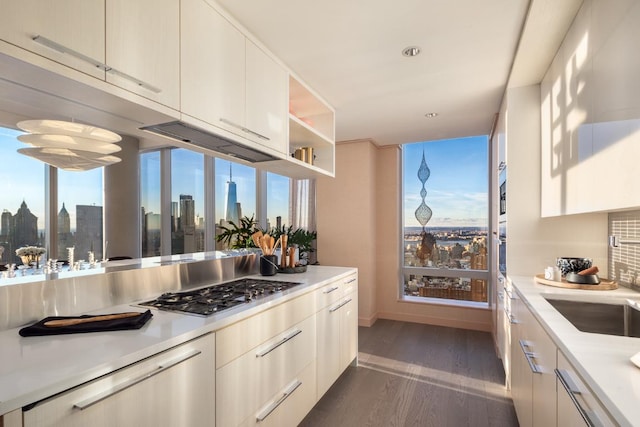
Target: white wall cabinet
[(143, 48), (77, 25), (228, 81), (591, 113), (173, 388), (337, 331), (533, 382), (133, 45)]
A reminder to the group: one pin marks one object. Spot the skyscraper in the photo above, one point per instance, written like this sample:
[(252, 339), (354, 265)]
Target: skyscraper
[(188, 222), (65, 238), (232, 200), (88, 231)]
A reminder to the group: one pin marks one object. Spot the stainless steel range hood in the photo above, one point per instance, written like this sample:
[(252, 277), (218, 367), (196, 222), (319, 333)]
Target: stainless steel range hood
[(192, 135)]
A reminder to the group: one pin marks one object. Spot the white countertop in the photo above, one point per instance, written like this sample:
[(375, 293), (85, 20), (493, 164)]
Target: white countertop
[(33, 368), (601, 360)]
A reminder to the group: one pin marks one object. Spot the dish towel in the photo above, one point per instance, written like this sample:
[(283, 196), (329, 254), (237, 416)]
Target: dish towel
[(118, 324)]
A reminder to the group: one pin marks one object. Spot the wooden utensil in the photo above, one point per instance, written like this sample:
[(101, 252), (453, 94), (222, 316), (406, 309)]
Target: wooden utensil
[(70, 322), (283, 251), (256, 238)]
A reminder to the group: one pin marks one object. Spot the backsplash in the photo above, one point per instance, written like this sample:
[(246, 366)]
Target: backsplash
[(624, 260)]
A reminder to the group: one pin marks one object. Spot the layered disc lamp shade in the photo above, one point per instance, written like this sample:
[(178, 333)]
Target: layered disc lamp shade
[(68, 145)]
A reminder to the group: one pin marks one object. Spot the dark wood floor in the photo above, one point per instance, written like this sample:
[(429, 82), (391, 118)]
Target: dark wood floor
[(418, 375)]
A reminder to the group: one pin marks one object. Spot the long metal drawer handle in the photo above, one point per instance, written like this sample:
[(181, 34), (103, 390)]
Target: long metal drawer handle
[(331, 310), (328, 291), (259, 135), (272, 407), (242, 128), (133, 381), (65, 50), (528, 355), (351, 281), (590, 417), (279, 343)]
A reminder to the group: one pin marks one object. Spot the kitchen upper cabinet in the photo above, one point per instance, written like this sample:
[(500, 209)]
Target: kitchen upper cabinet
[(228, 81), (143, 48), (132, 45), (70, 32), (591, 113), (173, 388)]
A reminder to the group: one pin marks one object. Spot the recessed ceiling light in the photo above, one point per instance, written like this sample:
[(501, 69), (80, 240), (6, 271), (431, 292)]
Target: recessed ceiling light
[(430, 115), (411, 51)]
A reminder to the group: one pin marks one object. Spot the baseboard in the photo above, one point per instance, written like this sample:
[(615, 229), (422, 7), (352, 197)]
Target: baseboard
[(367, 321), (429, 320)]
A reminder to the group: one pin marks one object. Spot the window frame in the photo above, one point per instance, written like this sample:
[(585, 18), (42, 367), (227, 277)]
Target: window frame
[(486, 274)]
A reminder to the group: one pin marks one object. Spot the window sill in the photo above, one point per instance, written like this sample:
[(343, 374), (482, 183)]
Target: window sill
[(445, 302)]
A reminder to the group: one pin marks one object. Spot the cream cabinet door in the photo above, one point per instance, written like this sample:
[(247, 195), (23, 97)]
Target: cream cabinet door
[(174, 388), (521, 375), (544, 377), (266, 99), (212, 80), (143, 48), (348, 331), (328, 357), (70, 32)]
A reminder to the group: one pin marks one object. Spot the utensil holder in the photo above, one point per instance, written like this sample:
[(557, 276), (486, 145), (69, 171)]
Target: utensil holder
[(268, 265)]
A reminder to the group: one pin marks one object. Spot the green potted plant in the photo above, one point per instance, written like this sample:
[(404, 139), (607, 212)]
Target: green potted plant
[(238, 236)]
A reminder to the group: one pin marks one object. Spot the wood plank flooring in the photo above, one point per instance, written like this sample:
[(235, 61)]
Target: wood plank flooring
[(411, 374)]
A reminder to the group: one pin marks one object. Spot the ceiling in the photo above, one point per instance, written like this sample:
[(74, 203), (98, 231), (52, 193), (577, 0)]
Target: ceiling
[(350, 53)]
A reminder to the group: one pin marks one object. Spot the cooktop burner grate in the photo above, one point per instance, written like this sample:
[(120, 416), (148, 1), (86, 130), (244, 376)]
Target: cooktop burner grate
[(212, 299)]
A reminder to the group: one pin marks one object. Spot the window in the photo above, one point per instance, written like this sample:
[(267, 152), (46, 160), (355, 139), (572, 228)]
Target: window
[(151, 213), (446, 219), (22, 199), (277, 201), (187, 201), (235, 193), (80, 213)]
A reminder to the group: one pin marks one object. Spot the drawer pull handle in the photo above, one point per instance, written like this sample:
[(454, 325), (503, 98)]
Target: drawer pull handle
[(133, 381), (339, 306), (65, 50), (529, 356), (279, 343), (243, 129), (328, 291), (572, 390), (351, 281), (272, 407)]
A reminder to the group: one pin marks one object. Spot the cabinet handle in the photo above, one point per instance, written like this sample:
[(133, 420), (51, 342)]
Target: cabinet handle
[(133, 381), (328, 291), (501, 296), (63, 49), (242, 128), (134, 80), (529, 355), (279, 343), (285, 394), (331, 310), (351, 281), (572, 390)]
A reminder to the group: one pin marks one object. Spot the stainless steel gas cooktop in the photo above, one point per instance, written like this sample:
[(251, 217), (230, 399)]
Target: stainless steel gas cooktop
[(213, 299)]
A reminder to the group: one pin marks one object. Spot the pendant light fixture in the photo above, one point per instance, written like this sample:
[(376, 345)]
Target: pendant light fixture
[(69, 145)]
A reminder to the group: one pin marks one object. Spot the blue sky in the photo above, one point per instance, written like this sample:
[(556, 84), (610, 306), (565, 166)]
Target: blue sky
[(458, 184)]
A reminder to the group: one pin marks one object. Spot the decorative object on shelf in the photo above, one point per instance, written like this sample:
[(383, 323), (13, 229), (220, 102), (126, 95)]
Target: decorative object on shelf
[(30, 255), (68, 145)]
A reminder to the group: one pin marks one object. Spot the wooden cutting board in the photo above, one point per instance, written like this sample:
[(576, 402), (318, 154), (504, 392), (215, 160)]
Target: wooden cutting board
[(604, 285)]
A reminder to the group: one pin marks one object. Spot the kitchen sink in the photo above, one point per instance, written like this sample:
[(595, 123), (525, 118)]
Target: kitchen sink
[(601, 318)]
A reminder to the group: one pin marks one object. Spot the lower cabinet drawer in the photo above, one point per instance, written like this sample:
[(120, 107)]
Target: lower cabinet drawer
[(247, 384), (289, 405), (173, 388)]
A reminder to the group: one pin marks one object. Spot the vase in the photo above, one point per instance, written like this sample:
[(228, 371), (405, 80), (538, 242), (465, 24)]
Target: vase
[(28, 260)]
